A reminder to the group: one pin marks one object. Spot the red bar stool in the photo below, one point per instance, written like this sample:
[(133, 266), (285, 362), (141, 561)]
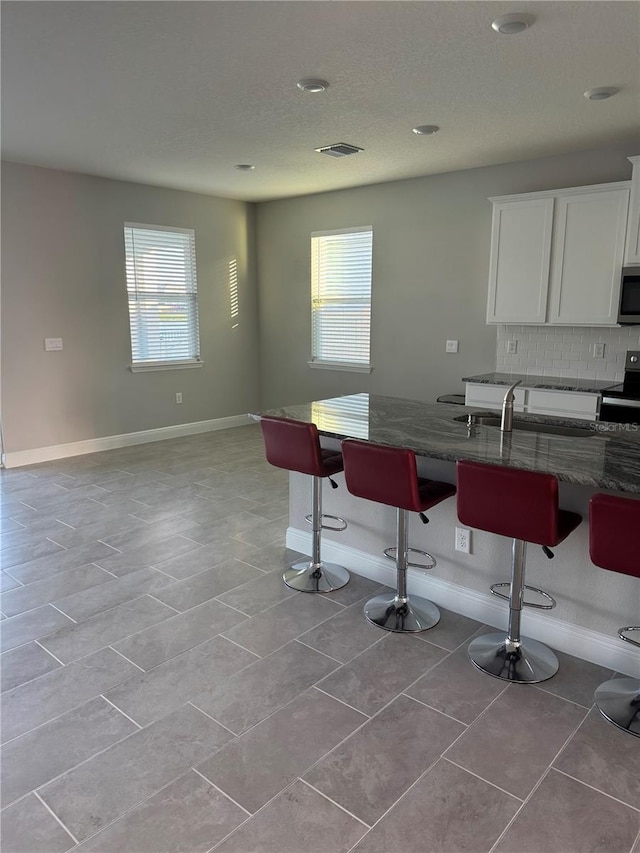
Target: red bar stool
[(295, 446), (388, 475), (522, 505), (613, 545)]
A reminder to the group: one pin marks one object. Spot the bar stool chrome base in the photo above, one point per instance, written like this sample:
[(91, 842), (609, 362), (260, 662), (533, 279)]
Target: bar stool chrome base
[(523, 662), (315, 577), (401, 615), (618, 701)]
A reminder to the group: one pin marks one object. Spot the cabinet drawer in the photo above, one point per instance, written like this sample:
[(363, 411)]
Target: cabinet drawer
[(491, 396), (571, 403)]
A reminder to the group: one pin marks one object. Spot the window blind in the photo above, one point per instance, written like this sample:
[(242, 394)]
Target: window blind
[(162, 291), (341, 296)]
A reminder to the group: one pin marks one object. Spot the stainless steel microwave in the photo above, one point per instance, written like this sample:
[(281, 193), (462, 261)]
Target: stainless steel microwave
[(629, 311)]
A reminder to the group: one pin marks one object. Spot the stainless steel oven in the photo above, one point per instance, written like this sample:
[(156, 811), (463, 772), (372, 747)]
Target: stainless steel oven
[(621, 404)]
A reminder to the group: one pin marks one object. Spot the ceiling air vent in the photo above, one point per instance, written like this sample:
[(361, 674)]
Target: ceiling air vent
[(340, 149)]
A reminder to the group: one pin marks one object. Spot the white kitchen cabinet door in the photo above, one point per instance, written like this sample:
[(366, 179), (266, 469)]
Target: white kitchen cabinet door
[(632, 247), (519, 265), (587, 251)]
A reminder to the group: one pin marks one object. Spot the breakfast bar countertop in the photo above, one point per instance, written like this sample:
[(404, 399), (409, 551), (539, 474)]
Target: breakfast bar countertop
[(549, 383), (607, 457)]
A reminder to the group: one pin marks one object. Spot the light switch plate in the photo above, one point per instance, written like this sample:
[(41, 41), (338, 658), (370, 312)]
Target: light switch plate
[(52, 344), (452, 346)]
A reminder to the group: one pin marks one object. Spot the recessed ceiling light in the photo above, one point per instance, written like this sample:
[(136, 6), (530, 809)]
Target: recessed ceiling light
[(309, 84), (516, 22), (245, 167), (426, 129), (600, 93)]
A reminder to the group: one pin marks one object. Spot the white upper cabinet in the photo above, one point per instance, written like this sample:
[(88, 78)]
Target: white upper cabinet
[(519, 265), (588, 245), (556, 256), (632, 249)]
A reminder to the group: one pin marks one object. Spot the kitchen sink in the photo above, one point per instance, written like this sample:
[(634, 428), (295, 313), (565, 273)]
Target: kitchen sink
[(527, 426)]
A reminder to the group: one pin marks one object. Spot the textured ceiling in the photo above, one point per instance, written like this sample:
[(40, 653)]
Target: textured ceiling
[(175, 93)]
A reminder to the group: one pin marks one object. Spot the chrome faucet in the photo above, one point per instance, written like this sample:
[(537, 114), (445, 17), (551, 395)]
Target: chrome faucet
[(507, 408)]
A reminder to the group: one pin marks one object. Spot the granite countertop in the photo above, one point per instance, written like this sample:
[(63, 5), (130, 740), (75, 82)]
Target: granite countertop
[(551, 383), (608, 457)]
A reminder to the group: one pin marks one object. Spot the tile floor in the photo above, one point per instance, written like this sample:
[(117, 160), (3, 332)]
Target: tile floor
[(164, 691)]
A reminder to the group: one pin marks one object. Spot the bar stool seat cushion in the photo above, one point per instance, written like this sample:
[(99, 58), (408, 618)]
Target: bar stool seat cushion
[(388, 475), (514, 503), (613, 533), (295, 446)]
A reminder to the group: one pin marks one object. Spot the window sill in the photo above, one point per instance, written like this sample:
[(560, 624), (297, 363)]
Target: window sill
[(340, 365), (164, 365)]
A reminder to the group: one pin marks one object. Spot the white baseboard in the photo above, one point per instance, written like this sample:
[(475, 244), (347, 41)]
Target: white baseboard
[(602, 649), (110, 442)]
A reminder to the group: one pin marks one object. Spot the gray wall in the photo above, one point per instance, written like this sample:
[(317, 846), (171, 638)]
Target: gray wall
[(431, 240), (63, 276)]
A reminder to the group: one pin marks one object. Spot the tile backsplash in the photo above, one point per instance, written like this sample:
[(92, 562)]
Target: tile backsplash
[(566, 350)]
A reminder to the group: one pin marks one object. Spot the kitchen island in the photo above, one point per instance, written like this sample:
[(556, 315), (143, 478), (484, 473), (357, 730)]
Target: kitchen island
[(592, 603)]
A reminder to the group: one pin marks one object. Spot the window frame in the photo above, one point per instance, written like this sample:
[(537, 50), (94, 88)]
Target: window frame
[(143, 366), (326, 364)]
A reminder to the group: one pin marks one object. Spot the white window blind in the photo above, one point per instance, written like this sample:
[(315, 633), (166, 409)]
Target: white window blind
[(341, 296), (163, 297)]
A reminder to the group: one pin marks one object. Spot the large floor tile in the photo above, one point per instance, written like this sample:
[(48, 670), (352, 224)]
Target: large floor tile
[(147, 555), (452, 630), (274, 558), (200, 559), (149, 695), (259, 764), (298, 820), (188, 816), (103, 788), (249, 696), (167, 639), (375, 766), (567, 816), (28, 827), (61, 561), (447, 811), (45, 698), (7, 582), (382, 672), (344, 636), (183, 595), (24, 664), (46, 752), (457, 688), (17, 555), (31, 626), (282, 623), (259, 594), (576, 679), (82, 605), (44, 591), (604, 757), (101, 630), (514, 741)]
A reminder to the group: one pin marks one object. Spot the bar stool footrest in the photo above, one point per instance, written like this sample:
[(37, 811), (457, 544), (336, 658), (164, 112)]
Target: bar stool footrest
[(343, 523), (618, 700), (402, 616), (307, 576), (495, 587), (525, 662), (622, 635), (391, 554)]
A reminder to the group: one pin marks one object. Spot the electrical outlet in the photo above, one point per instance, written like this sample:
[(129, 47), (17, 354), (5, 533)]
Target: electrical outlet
[(452, 346), (512, 347), (598, 350), (463, 540), (178, 396)]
